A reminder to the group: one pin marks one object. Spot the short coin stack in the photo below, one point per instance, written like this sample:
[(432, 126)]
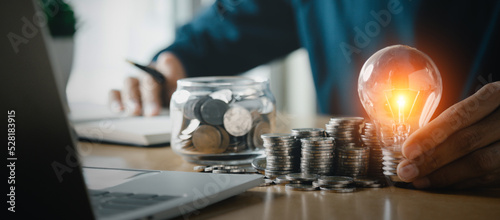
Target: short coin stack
[(370, 139), (282, 154), (335, 184), (318, 155), (352, 158)]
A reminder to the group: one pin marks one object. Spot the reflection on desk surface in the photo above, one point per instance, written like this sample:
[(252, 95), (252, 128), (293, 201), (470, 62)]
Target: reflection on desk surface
[(274, 202)]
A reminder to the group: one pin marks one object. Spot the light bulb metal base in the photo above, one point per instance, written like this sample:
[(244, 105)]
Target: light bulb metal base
[(392, 157)]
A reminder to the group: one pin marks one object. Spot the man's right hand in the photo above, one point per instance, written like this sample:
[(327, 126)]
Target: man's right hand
[(145, 96)]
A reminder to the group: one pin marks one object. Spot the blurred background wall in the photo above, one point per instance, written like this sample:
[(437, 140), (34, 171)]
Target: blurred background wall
[(110, 31)]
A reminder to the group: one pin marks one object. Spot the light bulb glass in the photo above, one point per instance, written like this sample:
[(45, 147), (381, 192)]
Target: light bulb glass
[(400, 88)]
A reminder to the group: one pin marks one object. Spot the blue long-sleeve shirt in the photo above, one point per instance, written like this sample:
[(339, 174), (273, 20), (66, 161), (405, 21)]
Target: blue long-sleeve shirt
[(462, 37)]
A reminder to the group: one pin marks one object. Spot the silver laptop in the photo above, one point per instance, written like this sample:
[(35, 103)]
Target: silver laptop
[(46, 180)]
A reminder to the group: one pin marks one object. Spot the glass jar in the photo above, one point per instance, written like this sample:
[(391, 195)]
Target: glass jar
[(219, 120)]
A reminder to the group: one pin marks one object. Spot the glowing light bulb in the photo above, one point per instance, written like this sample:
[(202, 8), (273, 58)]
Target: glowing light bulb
[(400, 88)]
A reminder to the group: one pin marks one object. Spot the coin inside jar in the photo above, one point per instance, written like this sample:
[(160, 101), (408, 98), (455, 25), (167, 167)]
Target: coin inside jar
[(197, 107), (237, 121), (259, 129), (224, 95), (207, 139), (212, 111), (224, 140)]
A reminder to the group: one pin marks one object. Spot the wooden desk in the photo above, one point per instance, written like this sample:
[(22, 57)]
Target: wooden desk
[(274, 202)]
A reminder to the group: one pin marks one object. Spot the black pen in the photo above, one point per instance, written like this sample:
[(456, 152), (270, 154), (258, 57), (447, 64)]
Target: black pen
[(154, 73)]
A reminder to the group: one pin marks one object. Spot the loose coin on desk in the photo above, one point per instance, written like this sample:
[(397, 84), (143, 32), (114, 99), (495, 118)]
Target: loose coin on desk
[(259, 164), (338, 190), (301, 177), (300, 187)]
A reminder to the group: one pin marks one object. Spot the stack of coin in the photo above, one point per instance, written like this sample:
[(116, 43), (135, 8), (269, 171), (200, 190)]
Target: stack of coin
[(318, 155), (370, 139), (282, 154), (335, 184), (352, 158), (345, 129), (299, 133)]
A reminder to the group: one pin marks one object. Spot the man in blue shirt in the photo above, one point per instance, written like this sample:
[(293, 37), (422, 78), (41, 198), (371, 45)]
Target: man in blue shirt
[(460, 36)]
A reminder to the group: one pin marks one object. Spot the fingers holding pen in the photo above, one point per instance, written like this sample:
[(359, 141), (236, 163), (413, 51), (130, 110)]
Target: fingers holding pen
[(151, 95), (132, 96)]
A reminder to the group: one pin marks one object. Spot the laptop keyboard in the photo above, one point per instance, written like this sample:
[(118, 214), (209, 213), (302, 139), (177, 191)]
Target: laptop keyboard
[(106, 203)]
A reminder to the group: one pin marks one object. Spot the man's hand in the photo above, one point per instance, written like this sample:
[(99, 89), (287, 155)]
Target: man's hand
[(145, 96), (460, 148)]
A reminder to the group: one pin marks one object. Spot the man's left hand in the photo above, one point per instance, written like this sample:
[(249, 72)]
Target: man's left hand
[(460, 148)]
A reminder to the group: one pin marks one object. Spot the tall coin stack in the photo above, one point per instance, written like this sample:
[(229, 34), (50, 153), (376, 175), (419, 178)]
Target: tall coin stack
[(352, 158), (299, 133), (318, 155), (370, 139), (282, 154)]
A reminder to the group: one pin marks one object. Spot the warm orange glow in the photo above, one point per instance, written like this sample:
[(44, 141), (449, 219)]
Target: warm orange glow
[(400, 103)]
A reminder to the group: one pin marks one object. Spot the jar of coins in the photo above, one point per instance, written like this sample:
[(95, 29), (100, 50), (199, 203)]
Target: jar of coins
[(219, 120)]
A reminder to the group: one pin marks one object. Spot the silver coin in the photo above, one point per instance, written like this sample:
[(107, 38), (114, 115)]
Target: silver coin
[(282, 180), (338, 190), (237, 171), (317, 184), (259, 163), (251, 104), (267, 105), (207, 139), (193, 124), (335, 180), (197, 107), (224, 95), (199, 168), (189, 109), (219, 171), (229, 167), (212, 111), (301, 177), (237, 121), (300, 187)]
